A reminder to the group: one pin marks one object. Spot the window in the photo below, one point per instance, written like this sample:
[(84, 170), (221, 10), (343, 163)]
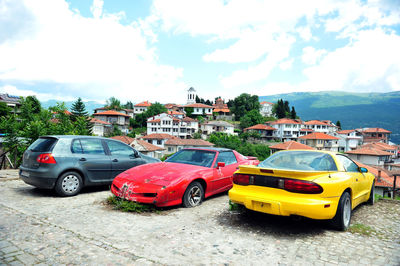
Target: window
[(43, 144), (117, 148), (76, 146), (226, 157), (159, 142), (348, 164), (170, 149), (89, 146)]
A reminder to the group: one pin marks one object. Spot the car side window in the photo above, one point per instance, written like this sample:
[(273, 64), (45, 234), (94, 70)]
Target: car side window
[(226, 157), (117, 148), (76, 146), (348, 164), (92, 146)]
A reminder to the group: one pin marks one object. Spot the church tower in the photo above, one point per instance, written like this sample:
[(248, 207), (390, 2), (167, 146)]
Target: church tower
[(191, 96)]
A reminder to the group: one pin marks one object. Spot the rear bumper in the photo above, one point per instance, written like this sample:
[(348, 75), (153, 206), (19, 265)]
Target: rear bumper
[(280, 202), (38, 178)]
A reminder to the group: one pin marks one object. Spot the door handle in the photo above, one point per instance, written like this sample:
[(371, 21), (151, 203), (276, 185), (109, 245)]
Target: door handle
[(82, 159), (115, 160)]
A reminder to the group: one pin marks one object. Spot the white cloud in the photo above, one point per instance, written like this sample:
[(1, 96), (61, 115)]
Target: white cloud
[(311, 55), (370, 63), (12, 90), (287, 64), (95, 58)]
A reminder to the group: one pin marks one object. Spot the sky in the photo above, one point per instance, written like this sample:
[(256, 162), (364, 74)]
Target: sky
[(156, 50)]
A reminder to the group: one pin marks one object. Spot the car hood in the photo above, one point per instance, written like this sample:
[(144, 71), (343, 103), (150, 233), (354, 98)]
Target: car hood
[(162, 173)]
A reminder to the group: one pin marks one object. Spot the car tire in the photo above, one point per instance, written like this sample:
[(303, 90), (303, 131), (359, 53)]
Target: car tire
[(341, 221), (69, 184), (194, 195), (371, 198)]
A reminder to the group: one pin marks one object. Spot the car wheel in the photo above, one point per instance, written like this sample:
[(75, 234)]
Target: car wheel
[(372, 194), (194, 195), (341, 221), (69, 184)]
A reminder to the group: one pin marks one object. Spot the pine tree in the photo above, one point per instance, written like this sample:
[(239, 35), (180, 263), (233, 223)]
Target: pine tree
[(293, 114), (338, 124), (79, 108)]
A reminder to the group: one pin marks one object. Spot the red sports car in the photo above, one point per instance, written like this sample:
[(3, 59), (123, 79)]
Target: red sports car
[(187, 177)]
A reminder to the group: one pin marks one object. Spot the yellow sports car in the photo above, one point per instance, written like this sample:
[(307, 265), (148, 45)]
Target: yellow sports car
[(313, 184)]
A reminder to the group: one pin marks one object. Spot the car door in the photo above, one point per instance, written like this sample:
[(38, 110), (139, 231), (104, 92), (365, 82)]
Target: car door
[(92, 159), (358, 179), (223, 180), (123, 157)]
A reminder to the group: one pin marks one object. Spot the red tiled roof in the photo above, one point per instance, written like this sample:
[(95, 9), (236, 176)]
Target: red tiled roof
[(376, 130), (380, 146), (112, 112), (285, 121), (154, 121), (318, 135), (188, 119), (264, 102), (188, 142), (198, 105), (143, 104), (369, 151), (291, 145), (159, 136), (95, 120), (175, 113), (145, 146), (316, 122), (346, 131), (260, 127), (306, 130), (384, 181), (224, 110), (124, 139), (169, 105)]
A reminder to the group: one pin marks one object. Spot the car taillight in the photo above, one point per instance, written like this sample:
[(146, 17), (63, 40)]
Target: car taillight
[(300, 186), (241, 179), (45, 158)]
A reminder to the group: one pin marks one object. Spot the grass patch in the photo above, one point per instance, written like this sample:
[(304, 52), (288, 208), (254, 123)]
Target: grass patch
[(361, 229), (235, 207), (378, 197), (130, 206)]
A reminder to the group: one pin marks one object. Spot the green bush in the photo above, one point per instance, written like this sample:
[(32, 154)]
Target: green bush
[(129, 206)]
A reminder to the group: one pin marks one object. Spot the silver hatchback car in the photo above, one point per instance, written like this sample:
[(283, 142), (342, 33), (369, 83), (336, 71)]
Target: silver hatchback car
[(68, 163)]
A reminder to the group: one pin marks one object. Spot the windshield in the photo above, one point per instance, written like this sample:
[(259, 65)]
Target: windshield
[(300, 160), (43, 145), (194, 157)]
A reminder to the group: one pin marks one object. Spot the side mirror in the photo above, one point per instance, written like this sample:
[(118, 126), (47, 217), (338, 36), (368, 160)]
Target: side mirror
[(220, 164), (363, 170)]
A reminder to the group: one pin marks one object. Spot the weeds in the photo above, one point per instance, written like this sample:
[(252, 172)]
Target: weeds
[(130, 206), (361, 229)]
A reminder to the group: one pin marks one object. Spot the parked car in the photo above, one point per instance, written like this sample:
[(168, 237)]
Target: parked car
[(313, 184), (68, 163), (187, 177)]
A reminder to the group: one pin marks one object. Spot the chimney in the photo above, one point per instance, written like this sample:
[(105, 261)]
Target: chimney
[(379, 175)]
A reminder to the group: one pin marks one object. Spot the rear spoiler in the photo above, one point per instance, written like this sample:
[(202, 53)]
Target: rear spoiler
[(252, 158)]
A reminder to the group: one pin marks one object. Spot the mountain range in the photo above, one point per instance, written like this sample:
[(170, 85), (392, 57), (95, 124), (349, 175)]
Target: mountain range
[(353, 110)]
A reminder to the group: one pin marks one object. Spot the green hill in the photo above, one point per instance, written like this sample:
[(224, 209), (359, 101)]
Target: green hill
[(353, 110)]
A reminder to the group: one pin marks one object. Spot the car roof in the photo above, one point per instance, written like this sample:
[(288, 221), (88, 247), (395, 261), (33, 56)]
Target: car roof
[(208, 149), (320, 151), (71, 136)]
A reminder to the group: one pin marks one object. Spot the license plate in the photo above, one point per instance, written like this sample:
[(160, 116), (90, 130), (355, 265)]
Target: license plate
[(25, 173)]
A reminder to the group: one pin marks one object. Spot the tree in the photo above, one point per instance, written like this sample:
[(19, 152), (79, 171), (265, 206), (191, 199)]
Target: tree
[(81, 118), (293, 114), (189, 111), (251, 118), (78, 108), (113, 104), (338, 125), (155, 109), (4, 109), (128, 105), (34, 103), (243, 104)]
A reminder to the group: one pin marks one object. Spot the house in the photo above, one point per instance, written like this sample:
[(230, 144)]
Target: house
[(375, 135), (174, 145), (266, 108), (147, 148), (216, 126), (393, 149), (266, 132), (101, 128), (320, 141), (324, 126), (158, 139), (125, 139), (289, 145), (141, 107), (286, 128), (200, 109), (168, 124), (370, 156), (129, 112), (12, 101), (115, 118), (349, 139), (177, 114), (100, 109), (221, 110)]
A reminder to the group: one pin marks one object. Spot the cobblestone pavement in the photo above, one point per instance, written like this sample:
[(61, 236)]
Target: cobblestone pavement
[(37, 227)]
